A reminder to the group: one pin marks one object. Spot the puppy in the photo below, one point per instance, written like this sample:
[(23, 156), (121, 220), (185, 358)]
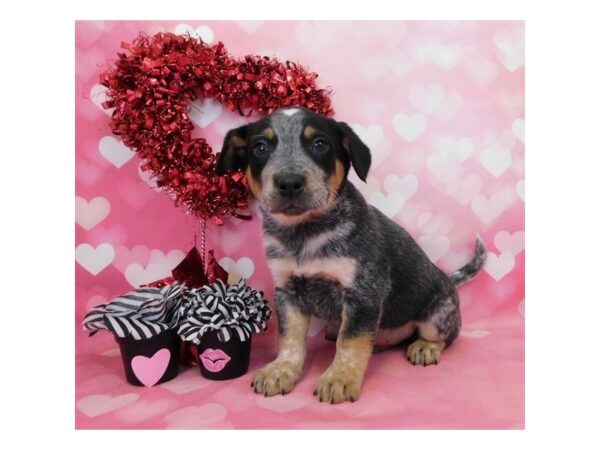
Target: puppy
[(335, 257)]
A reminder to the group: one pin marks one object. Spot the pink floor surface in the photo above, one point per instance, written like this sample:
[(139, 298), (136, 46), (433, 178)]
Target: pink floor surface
[(479, 384)]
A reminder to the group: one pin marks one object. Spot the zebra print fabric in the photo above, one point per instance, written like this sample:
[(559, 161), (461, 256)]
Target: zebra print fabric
[(232, 310), (141, 314)]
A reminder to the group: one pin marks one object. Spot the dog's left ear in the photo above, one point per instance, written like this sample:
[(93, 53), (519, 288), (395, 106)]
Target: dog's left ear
[(359, 153), (233, 155)]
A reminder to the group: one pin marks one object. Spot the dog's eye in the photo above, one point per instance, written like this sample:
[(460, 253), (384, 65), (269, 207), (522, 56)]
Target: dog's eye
[(260, 148), (320, 145)]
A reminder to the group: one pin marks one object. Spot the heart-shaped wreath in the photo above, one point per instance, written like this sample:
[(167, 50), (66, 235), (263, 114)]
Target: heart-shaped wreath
[(151, 88)]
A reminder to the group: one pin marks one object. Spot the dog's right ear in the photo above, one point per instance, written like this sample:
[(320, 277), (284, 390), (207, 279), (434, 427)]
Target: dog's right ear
[(234, 153)]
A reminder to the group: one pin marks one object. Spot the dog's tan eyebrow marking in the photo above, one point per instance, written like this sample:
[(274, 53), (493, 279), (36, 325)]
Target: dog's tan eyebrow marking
[(268, 133), (237, 141), (309, 132)]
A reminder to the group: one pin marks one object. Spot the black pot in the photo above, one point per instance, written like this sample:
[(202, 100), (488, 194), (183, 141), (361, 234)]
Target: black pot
[(223, 360), (152, 361)]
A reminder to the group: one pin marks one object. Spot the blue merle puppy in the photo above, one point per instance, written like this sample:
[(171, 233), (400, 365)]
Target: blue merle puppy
[(335, 257)]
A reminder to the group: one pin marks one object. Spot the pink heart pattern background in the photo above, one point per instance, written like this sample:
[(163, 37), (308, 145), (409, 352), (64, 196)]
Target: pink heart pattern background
[(441, 105)]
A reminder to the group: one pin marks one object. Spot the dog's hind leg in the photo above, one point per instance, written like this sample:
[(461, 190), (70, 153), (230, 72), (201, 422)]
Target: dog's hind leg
[(437, 329)]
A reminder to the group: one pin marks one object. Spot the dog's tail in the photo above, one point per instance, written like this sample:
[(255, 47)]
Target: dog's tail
[(472, 268)]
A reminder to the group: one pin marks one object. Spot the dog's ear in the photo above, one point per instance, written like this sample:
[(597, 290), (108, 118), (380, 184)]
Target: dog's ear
[(359, 153), (234, 153)]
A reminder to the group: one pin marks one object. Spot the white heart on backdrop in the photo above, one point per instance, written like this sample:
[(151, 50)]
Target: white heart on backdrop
[(94, 260), (489, 208), (518, 128), (125, 256), (373, 67), (96, 405), (250, 26), (204, 111), (186, 382), (456, 147), (482, 71), (510, 243), (445, 167), (496, 160), (98, 96), (114, 151), (499, 266), (374, 138), (242, 268), (453, 261), (445, 56), (160, 266), (202, 32), (511, 50), (372, 185), (477, 334), (409, 127), (86, 172), (194, 417), (390, 204), (285, 404), (435, 100), (453, 103), (89, 214), (435, 246), (228, 120), (466, 189), (427, 99), (520, 187), (399, 191), (314, 36), (407, 185)]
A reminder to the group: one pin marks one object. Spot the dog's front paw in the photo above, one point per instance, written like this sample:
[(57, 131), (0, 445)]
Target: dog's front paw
[(338, 386), (277, 377)]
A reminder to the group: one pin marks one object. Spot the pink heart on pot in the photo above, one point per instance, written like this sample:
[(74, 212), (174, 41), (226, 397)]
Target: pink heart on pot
[(150, 370)]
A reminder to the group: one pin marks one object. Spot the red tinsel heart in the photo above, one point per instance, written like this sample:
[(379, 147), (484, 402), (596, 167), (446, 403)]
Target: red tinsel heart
[(151, 88)]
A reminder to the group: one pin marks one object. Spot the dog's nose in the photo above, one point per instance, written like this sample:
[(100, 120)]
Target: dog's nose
[(289, 185)]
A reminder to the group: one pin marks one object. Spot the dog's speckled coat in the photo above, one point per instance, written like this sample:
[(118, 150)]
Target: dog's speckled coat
[(335, 257)]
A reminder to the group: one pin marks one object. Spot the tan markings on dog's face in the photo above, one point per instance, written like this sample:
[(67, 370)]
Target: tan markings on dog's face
[(309, 132), (336, 180), (268, 133), (254, 185), (342, 380), (340, 269)]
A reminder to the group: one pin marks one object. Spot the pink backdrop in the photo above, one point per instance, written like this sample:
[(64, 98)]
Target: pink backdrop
[(441, 105)]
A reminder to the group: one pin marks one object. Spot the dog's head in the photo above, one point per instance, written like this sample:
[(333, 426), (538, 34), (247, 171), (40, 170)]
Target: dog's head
[(296, 162)]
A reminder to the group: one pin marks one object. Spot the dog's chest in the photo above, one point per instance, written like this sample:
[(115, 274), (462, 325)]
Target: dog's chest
[(339, 269)]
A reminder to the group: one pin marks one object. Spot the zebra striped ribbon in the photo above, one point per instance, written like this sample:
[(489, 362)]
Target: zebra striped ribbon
[(141, 314), (231, 309)]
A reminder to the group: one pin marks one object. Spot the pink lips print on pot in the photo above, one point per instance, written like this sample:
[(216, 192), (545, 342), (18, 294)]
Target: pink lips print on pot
[(214, 360)]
